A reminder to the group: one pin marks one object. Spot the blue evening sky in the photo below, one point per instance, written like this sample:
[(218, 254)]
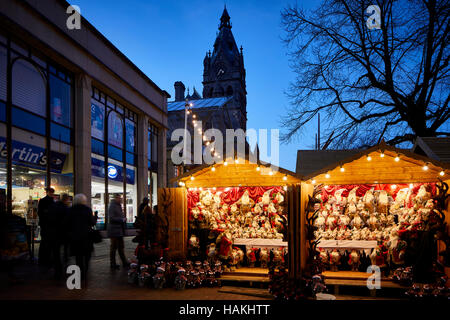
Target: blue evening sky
[(168, 40)]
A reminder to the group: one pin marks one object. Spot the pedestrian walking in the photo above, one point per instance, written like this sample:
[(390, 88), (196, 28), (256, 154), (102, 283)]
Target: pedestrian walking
[(79, 223), (58, 213), (116, 231), (44, 206)]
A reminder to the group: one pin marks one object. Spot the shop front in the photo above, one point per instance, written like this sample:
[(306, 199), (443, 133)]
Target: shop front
[(382, 208), (235, 212)]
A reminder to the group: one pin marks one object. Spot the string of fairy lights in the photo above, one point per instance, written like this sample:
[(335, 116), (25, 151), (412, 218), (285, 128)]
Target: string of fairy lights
[(425, 167), (190, 112)]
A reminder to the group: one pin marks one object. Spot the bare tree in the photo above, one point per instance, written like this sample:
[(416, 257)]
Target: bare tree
[(390, 83)]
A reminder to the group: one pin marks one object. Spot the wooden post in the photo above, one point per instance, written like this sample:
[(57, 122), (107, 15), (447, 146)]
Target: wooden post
[(177, 216)]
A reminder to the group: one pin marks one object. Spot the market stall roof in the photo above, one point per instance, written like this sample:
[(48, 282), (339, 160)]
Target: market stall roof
[(235, 174), (381, 164)]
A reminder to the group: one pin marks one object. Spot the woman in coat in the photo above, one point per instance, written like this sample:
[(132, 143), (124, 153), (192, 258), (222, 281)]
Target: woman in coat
[(79, 223)]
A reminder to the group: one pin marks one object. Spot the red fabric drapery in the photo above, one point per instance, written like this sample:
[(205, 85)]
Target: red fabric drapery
[(230, 195), (328, 191)]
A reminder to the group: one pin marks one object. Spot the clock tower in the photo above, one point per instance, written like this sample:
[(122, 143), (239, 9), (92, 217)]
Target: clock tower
[(224, 73)]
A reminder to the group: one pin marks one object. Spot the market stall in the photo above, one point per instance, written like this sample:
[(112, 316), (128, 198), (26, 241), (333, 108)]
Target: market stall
[(233, 211), (384, 206)]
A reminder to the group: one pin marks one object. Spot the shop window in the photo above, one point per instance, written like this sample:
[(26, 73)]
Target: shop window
[(60, 101), (130, 158), (115, 153), (97, 120), (61, 167), (2, 112), (131, 195), (153, 187), (3, 72), (28, 87), (60, 133), (3, 175), (26, 120), (115, 129), (97, 147), (130, 128), (29, 177), (98, 188), (114, 173)]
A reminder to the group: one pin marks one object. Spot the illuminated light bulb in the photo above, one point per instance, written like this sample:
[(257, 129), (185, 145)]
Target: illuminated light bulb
[(258, 168), (191, 104), (213, 169), (195, 123), (285, 178), (194, 116), (369, 158), (236, 161), (180, 183), (204, 138), (394, 186), (270, 173), (226, 189), (382, 155), (327, 176), (425, 167), (214, 188), (313, 181), (188, 111), (192, 178), (225, 163), (342, 169), (441, 173), (411, 185), (397, 159), (285, 188), (201, 189)]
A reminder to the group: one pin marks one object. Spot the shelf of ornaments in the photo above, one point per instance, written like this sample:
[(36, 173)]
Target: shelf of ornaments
[(371, 224), (259, 227)]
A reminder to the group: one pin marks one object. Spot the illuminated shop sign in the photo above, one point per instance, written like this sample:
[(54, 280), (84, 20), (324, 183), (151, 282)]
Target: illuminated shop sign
[(31, 156), (114, 172)]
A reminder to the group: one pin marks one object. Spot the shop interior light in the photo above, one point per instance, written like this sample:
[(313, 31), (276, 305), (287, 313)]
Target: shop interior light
[(191, 104), (213, 169), (369, 158), (394, 186), (181, 183), (225, 163), (271, 173), (313, 181), (285, 188), (425, 167), (327, 176), (236, 160), (397, 158), (342, 169), (411, 186), (285, 177), (194, 116), (382, 155), (258, 168), (201, 189), (441, 173), (192, 178), (188, 111), (214, 188)]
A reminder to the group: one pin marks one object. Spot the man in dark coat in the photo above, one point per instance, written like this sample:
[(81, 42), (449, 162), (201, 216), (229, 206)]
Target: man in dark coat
[(43, 212), (78, 224), (56, 233), (116, 231)]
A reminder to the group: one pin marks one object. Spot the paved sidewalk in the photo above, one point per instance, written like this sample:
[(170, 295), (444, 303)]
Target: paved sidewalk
[(103, 284)]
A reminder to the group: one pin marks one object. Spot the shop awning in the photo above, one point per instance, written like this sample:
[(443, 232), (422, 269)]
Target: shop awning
[(381, 164), (235, 174)]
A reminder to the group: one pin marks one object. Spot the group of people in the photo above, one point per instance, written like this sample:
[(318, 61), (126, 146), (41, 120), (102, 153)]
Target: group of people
[(71, 228)]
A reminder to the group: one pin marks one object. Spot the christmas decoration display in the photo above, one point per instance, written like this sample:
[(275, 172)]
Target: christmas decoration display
[(235, 213), (382, 213), (179, 275)]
